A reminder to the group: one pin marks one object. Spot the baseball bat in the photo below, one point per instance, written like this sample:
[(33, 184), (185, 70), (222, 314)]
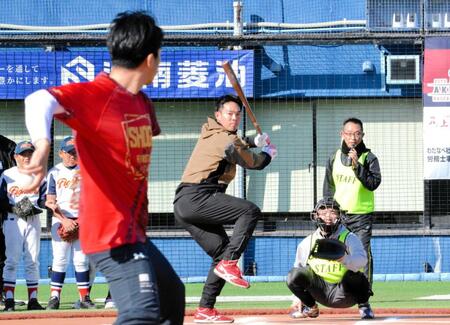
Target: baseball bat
[(237, 87)]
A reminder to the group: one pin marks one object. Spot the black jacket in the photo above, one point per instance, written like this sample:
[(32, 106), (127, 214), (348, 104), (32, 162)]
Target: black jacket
[(7, 147)]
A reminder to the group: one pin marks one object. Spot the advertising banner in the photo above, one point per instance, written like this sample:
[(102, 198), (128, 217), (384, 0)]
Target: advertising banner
[(436, 111), (181, 74)]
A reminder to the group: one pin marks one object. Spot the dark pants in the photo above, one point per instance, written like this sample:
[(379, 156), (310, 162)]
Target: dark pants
[(2, 258), (309, 288), (361, 226), (145, 288), (203, 215)]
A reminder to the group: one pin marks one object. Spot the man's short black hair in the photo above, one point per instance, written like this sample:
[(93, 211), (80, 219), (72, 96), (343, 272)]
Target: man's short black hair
[(353, 120), (228, 98), (132, 37)]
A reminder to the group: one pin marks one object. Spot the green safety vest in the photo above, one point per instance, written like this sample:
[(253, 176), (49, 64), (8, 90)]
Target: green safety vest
[(330, 271), (350, 193)]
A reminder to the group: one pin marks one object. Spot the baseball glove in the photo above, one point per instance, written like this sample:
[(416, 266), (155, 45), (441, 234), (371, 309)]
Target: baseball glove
[(25, 209), (328, 249), (66, 235)]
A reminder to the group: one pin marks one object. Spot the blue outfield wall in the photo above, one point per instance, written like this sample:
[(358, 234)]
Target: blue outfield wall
[(395, 258), (392, 255)]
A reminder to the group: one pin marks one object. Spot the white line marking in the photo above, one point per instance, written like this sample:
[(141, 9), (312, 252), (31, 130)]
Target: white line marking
[(392, 320), (435, 297), (243, 298)]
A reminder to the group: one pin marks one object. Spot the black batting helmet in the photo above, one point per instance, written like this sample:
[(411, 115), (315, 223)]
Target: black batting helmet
[(326, 203)]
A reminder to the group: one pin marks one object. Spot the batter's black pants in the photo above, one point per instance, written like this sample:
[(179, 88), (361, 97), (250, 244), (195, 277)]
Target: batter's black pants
[(203, 214), (309, 288), (361, 226)]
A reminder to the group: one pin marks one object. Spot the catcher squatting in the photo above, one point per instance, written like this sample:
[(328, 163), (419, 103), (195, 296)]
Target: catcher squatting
[(328, 265)]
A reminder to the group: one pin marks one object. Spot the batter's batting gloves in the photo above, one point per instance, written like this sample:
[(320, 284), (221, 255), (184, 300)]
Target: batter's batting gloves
[(271, 150), (262, 140)]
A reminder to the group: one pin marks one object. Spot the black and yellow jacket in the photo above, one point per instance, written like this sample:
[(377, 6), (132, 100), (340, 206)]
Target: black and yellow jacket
[(367, 172)]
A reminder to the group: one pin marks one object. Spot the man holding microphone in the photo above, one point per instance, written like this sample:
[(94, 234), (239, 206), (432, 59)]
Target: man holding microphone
[(352, 175)]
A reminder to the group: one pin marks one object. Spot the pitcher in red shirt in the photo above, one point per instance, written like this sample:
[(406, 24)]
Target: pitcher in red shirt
[(114, 123)]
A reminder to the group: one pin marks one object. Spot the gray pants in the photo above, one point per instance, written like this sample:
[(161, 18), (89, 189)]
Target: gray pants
[(144, 285), (309, 288)]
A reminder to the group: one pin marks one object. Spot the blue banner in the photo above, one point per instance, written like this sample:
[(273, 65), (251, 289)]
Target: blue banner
[(181, 74)]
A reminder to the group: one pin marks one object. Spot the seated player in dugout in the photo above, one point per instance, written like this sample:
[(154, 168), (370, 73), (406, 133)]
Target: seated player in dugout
[(328, 265)]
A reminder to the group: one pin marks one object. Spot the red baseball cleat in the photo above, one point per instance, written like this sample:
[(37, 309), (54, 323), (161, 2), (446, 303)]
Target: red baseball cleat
[(210, 316), (230, 272)]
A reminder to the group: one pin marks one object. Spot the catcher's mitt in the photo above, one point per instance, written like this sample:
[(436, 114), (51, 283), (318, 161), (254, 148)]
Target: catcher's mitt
[(328, 249), (68, 236), (25, 209)]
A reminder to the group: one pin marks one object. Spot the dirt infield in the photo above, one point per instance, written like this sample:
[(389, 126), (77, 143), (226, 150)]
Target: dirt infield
[(255, 317)]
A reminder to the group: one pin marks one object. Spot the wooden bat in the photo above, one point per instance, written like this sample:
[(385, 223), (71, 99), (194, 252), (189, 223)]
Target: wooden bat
[(237, 87)]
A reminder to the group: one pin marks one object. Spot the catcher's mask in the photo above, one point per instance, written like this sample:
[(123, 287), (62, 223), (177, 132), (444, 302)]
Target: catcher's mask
[(322, 208)]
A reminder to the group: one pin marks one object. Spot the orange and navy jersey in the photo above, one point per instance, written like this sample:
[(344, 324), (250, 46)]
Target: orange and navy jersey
[(64, 183), (11, 192), (113, 130)]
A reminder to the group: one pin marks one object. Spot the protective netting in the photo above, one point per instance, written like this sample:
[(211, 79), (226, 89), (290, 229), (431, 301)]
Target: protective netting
[(300, 92), (228, 17)]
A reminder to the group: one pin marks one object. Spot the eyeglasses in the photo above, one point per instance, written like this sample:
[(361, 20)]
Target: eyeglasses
[(354, 134)]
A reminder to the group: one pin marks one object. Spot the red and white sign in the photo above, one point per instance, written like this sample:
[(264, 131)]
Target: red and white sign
[(436, 111)]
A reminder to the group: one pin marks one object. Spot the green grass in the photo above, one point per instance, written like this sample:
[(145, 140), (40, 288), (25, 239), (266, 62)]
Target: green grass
[(68, 297), (387, 295)]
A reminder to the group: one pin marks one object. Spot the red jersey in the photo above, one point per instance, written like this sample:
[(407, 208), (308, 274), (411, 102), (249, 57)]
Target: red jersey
[(113, 130)]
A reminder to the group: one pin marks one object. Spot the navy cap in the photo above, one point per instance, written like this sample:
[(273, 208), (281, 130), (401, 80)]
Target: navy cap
[(68, 144), (23, 146)]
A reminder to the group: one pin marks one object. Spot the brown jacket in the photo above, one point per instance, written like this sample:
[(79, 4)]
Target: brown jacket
[(216, 155)]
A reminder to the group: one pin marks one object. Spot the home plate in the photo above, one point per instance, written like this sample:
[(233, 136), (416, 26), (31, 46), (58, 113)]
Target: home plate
[(435, 297)]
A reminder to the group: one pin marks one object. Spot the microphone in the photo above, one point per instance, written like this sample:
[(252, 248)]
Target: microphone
[(348, 159)]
